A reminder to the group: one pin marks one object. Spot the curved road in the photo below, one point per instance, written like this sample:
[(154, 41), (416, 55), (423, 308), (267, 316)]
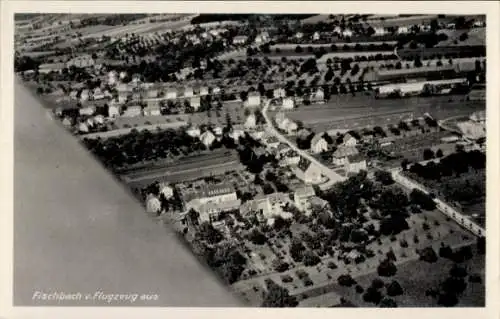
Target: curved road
[(326, 171)]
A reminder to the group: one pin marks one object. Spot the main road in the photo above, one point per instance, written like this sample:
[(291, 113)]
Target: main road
[(333, 176)]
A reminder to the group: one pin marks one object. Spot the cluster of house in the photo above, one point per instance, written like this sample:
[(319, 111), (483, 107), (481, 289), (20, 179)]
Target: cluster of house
[(475, 127), (209, 135), (416, 88)]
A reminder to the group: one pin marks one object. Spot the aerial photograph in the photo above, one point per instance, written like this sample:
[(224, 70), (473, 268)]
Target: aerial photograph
[(303, 160)]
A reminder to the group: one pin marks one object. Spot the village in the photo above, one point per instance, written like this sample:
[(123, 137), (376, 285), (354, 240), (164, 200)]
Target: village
[(312, 158)]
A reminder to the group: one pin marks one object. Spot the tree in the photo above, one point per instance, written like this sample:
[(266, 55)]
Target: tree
[(418, 62), (346, 280), (394, 289), (257, 237), (384, 177), (428, 154), (297, 250), (311, 259), (445, 251), (208, 233), (388, 303), (464, 36), (447, 300), (422, 199), (386, 268), (428, 254), (457, 271), (277, 296), (280, 266), (439, 153), (372, 295), (298, 49)]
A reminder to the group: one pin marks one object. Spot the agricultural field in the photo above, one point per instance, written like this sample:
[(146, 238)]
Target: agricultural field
[(363, 111)]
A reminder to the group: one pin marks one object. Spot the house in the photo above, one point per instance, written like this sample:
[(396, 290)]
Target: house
[(123, 75), (152, 109), (50, 67), (153, 204), (188, 92), (240, 39), (207, 138), (478, 117), (316, 36), (171, 94), (152, 94), (285, 124), (283, 149), (267, 207), (83, 128), (299, 35), (379, 31), (251, 121), (318, 144), (114, 110), (195, 102), (355, 163), (290, 158), (349, 140), (166, 190), (83, 61), (193, 131), (204, 91), (272, 141), (73, 95), (341, 154), (262, 37), (112, 78), (279, 93), (88, 110), (99, 119), (133, 111), (308, 172), (218, 131), (85, 95), (236, 134), (301, 197), (319, 95), (67, 122), (257, 135), (210, 200), (403, 30), (98, 94), (253, 99), (288, 103), (216, 90), (347, 33)]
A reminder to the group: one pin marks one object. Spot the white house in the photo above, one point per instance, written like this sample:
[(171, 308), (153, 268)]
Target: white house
[(279, 93), (240, 39), (83, 128), (152, 109), (251, 121), (319, 95), (88, 110), (380, 31), (301, 197), (193, 131), (218, 130), (355, 164), (272, 141), (288, 103), (188, 92), (403, 30), (290, 158), (347, 33), (207, 138), (204, 91), (308, 172), (98, 94), (171, 94), (211, 200), (349, 140), (236, 134), (67, 122), (253, 99), (340, 156), (195, 102), (153, 204), (216, 90), (316, 36), (133, 111), (112, 78), (85, 95), (299, 35), (114, 110), (166, 190), (99, 119), (318, 144)]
